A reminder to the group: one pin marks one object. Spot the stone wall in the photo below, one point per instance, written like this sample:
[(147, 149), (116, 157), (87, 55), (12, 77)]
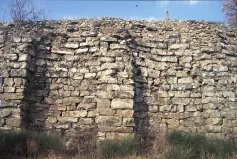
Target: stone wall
[(108, 78)]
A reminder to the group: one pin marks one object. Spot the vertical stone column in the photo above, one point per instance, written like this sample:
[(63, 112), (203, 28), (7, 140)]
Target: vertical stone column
[(14, 57), (115, 99)]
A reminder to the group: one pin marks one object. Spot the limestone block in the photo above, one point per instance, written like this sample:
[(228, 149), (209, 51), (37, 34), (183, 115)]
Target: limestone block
[(181, 101), (166, 108), (12, 57), (106, 66), (191, 108), (86, 105), (227, 123), (14, 122), (207, 50), (51, 120), (105, 94), (228, 94), (168, 59), (90, 75), (106, 111), (214, 121), (82, 50), (71, 100), (109, 121), (183, 52), (72, 45), (108, 39), (232, 105), (125, 113), (113, 87), (118, 46), (67, 119), (186, 59), (74, 114), (182, 94), (210, 106), (1, 39), (153, 73), (24, 58), (126, 88), (163, 94), (209, 82), (122, 104), (228, 114), (17, 39), (185, 80), (103, 103), (124, 94), (213, 128), (214, 113), (86, 121), (178, 46), (5, 113), (8, 82), (128, 122), (161, 46), (18, 82), (61, 126), (173, 123)]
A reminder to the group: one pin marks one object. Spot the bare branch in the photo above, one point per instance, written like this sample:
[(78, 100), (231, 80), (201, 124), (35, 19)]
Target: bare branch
[(230, 10), (24, 10)]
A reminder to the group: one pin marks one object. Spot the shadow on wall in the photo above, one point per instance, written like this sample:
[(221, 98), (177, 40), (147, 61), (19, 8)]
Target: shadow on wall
[(35, 105), (141, 117)]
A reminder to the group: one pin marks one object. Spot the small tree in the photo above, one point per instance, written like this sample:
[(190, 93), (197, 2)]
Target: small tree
[(230, 10), (24, 10)]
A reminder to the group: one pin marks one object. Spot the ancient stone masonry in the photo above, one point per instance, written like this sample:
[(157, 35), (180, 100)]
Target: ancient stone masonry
[(108, 78)]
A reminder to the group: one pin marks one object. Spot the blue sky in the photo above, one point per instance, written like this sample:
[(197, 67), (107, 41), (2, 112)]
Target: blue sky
[(148, 10)]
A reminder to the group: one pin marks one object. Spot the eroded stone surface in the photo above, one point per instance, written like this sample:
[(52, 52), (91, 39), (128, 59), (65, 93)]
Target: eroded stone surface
[(111, 77)]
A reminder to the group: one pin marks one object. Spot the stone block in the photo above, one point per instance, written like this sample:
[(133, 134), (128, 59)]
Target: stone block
[(109, 121), (67, 119), (24, 58), (122, 104), (8, 82), (74, 114), (106, 111), (13, 122), (185, 80), (61, 126), (86, 121), (125, 113), (72, 45), (5, 113), (82, 50), (103, 103), (51, 120)]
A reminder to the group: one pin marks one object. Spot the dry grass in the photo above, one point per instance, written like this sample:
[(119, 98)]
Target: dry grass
[(161, 145)]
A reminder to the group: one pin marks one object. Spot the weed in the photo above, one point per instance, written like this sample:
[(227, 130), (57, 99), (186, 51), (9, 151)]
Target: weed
[(193, 145), (110, 148)]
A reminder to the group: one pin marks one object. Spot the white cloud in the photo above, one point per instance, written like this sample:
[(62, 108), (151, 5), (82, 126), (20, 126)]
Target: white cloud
[(162, 3), (193, 2)]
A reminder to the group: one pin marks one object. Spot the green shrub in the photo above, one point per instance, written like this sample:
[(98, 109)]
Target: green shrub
[(179, 153), (110, 148), (48, 141), (197, 145), (14, 143)]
